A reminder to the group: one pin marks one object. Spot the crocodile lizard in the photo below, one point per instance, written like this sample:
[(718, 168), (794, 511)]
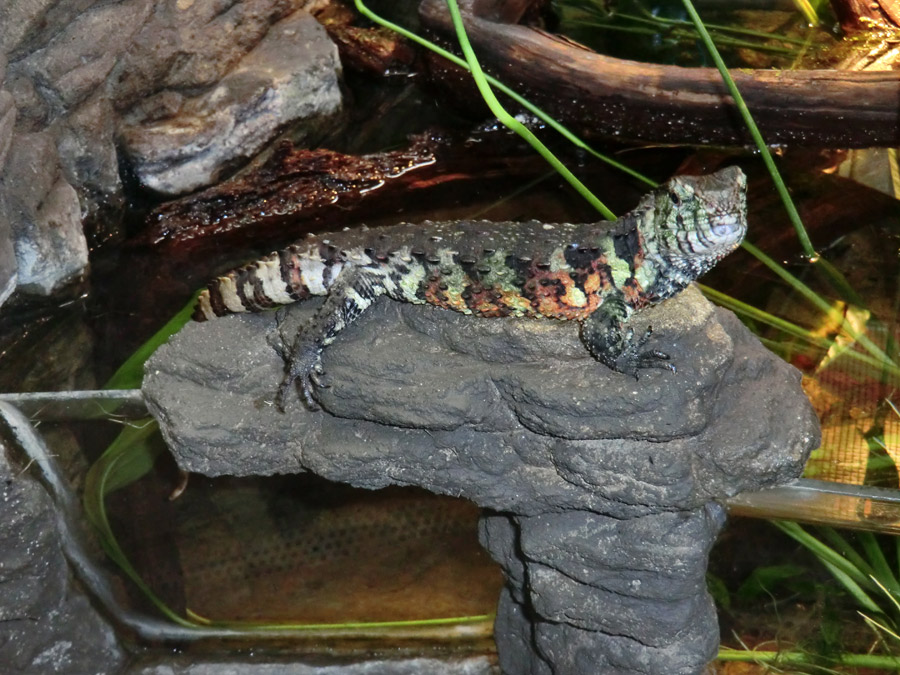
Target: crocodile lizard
[(598, 274)]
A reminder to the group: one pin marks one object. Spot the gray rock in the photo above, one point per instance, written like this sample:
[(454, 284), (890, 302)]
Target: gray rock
[(88, 159), (7, 124), (600, 490), (8, 266), (27, 26), (9, 269), (45, 216), (189, 46), (617, 595), (46, 624), (178, 143), (203, 85), (77, 59)]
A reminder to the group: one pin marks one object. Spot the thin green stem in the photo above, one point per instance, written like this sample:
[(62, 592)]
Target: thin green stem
[(750, 123), (652, 19), (806, 8), (752, 312), (833, 275), (800, 658), (511, 122), (819, 302), (530, 107), (677, 33)]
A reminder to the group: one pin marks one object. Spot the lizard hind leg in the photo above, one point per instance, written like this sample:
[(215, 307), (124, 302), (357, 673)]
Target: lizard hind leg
[(606, 339), (351, 293), (303, 368)]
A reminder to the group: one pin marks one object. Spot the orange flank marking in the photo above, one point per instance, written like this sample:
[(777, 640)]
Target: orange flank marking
[(483, 302), (556, 295), (435, 295), (593, 283), (634, 294)]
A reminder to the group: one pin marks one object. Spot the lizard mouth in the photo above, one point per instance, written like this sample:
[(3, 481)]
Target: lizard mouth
[(727, 233), (728, 230)]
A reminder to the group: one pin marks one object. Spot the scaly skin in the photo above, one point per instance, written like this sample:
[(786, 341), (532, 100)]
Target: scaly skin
[(598, 274)]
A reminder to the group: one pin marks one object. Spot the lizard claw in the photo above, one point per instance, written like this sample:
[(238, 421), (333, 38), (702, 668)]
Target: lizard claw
[(303, 368), (317, 377), (305, 382), (633, 356)]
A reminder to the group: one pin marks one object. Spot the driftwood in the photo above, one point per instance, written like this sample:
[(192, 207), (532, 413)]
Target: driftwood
[(857, 15), (298, 191), (599, 95), (292, 184), (374, 51)]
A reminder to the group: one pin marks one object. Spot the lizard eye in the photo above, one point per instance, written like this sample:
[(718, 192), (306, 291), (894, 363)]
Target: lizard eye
[(676, 199)]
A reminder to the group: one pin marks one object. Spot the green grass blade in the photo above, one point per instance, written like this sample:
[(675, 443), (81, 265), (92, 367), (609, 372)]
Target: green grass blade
[(882, 570), (809, 12), (837, 280), (862, 598), (131, 373), (755, 133), (843, 547), (751, 312), (819, 302), (511, 93), (511, 122), (824, 552), (889, 595), (129, 457)]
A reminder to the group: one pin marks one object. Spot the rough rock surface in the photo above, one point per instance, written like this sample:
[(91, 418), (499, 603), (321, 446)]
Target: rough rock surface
[(45, 216), (186, 90), (588, 593), (47, 626), (291, 74), (8, 266), (516, 416)]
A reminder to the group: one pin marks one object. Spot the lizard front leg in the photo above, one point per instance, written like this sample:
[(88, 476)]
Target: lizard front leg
[(351, 293), (605, 337)]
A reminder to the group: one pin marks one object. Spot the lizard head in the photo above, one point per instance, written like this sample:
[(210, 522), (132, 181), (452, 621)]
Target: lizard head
[(697, 220)]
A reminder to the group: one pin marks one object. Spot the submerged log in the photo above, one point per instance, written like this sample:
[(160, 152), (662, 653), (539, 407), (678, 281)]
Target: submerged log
[(292, 183), (298, 191), (599, 95)]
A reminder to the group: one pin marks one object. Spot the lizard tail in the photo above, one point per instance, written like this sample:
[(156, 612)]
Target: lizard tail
[(277, 279)]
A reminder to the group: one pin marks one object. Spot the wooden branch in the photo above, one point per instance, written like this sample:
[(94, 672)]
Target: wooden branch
[(297, 191), (858, 15), (599, 95)]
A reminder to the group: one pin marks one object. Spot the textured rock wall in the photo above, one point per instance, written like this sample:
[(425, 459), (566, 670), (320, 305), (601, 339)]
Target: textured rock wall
[(47, 626), (181, 91)]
